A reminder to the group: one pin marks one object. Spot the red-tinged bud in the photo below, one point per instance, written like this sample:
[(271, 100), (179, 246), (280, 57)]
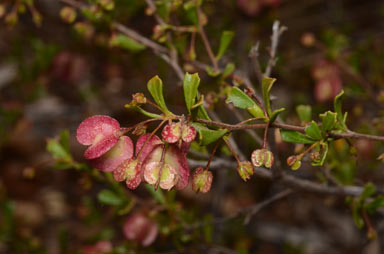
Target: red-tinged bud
[(101, 133), (291, 160), (175, 171), (202, 180), (315, 156), (171, 132), (68, 14), (162, 173), (294, 162), (188, 133), (140, 130), (262, 158), (268, 159), (245, 170), (140, 229), (139, 98), (129, 171)]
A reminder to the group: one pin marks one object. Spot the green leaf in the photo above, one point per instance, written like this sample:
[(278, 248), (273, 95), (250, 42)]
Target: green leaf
[(304, 112), (202, 113), (329, 120), (208, 136), (255, 111), (225, 40), (155, 87), (158, 194), (295, 137), (243, 101), (108, 197), (275, 114), (313, 131), (58, 151), (267, 84), (239, 98), (229, 69), (191, 84), (126, 42), (340, 117), (369, 190)]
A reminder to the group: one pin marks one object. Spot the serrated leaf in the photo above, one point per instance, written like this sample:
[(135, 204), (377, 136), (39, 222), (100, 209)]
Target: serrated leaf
[(304, 112), (329, 120), (243, 101), (313, 131), (126, 42), (275, 114), (108, 197), (190, 84), (267, 84), (208, 136), (295, 137), (58, 151), (155, 87), (225, 40)]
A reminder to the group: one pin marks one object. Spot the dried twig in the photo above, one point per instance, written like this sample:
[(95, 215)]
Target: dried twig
[(277, 30)]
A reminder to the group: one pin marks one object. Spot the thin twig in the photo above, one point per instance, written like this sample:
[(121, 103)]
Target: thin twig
[(345, 135), (248, 211), (251, 211), (288, 179), (277, 30), (205, 40)]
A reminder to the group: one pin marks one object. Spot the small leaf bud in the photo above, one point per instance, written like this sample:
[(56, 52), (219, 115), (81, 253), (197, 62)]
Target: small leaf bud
[(202, 180), (245, 170), (262, 158)]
